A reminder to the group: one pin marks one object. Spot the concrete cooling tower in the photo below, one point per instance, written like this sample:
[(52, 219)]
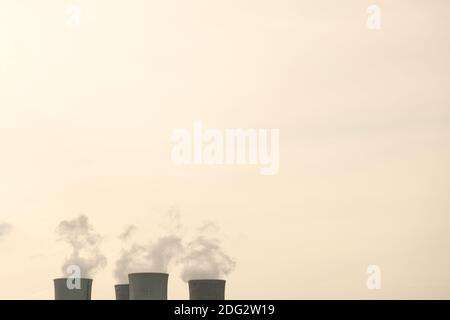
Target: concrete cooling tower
[(148, 286), (62, 292), (122, 291), (207, 289)]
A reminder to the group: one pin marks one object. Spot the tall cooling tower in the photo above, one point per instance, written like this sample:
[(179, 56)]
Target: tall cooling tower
[(207, 289), (122, 291), (148, 286), (62, 292)]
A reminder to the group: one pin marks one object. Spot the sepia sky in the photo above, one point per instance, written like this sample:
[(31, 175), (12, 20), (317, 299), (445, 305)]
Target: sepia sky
[(86, 116)]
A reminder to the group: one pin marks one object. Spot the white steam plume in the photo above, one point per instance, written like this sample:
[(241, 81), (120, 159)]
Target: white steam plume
[(154, 257), (126, 262), (123, 264), (204, 257), (127, 233), (86, 254)]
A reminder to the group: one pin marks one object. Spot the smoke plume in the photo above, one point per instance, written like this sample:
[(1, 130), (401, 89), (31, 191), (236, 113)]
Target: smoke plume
[(156, 256), (125, 261), (127, 233), (204, 257), (86, 254), (5, 228)]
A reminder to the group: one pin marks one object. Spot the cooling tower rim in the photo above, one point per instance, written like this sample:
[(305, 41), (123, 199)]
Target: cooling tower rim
[(207, 280), (148, 273), (58, 279), (121, 285)]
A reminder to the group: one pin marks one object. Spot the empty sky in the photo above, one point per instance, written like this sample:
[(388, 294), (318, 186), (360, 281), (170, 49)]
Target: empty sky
[(364, 116)]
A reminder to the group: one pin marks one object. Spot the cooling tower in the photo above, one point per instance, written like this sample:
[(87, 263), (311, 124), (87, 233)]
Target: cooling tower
[(122, 291), (148, 286), (62, 292), (207, 289)]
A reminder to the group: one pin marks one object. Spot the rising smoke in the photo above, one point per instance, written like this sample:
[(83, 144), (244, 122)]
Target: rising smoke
[(201, 258), (126, 263), (204, 257), (126, 260), (153, 257), (127, 233), (86, 254), (5, 228)]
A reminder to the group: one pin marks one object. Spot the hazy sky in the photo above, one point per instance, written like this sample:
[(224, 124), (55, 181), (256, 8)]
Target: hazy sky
[(364, 116)]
